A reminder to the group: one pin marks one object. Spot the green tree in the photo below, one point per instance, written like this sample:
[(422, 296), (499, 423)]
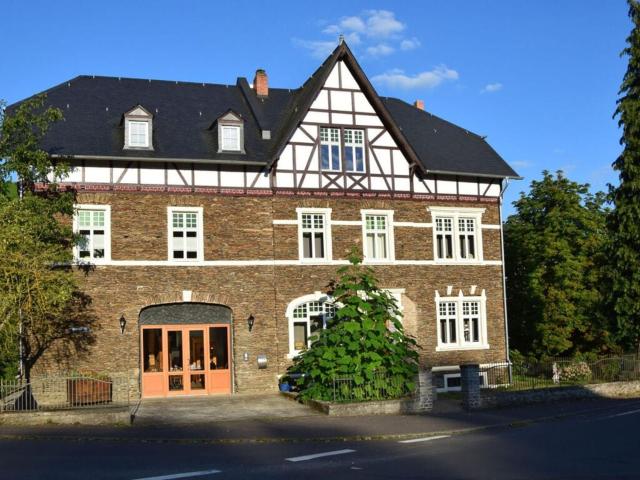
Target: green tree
[(554, 252), (624, 221), (39, 299), (364, 340)]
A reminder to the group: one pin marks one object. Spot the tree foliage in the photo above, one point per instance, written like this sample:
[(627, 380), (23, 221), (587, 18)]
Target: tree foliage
[(624, 221), (364, 340), (39, 299), (555, 262)]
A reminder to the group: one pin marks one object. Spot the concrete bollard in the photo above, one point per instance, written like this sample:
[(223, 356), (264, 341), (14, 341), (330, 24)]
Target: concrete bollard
[(470, 382)]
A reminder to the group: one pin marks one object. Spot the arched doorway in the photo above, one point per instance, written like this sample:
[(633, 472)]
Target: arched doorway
[(186, 349)]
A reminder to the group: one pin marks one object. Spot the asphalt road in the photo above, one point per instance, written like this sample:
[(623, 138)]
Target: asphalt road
[(596, 445)]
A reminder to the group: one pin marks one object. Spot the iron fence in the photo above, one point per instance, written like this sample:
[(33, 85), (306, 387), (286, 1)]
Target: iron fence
[(381, 386), (560, 371), (63, 392)]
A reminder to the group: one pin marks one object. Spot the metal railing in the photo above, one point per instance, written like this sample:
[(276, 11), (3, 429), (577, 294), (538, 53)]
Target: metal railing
[(560, 371), (381, 386), (63, 392)]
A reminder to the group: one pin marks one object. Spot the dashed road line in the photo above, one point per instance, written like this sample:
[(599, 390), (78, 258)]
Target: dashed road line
[(630, 412), (424, 439), (304, 458), (175, 476)]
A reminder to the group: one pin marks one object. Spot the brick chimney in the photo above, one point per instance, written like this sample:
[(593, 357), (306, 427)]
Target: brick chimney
[(261, 83), (419, 104)]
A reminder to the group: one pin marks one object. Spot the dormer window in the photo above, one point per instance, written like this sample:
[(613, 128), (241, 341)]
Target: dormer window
[(138, 129), (230, 133)]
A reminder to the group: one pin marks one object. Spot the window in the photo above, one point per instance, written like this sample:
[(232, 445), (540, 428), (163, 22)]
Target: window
[(92, 224), (308, 315), (230, 138), (456, 234), (185, 234), (138, 133), (354, 150), (330, 148), (461, 322), (452, 382), (314, 234), (378, 235)]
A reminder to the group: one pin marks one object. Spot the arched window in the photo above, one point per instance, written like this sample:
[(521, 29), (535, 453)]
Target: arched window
[(307, 315)]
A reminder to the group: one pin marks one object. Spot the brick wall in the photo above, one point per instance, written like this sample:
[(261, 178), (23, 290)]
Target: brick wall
[(241, 228)]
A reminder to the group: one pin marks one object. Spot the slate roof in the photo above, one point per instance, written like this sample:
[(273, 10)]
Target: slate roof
[(184, 113)]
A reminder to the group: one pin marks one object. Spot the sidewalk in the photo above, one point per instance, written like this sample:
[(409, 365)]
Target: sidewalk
[(319, 428)]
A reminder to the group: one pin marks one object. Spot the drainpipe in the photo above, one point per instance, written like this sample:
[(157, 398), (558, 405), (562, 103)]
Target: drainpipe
[(504, 279)]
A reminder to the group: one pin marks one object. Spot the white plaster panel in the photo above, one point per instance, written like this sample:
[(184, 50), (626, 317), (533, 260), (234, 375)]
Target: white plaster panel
[(402, 184), (431, 183), (311, 130), (378, 183), (468, 188), (384, 157), (130, 176), (302, 156), (322, 100), (300, 136), (96, 174), (372, 132), (341, 101), (172, 176), (206, 176), (419, 186), (356, 186), (74, 175), (186, 173), (285, 162), (400, 164), (333, 81), (368, 120), (311, 180), (342, 118), (347, 78), (316, 117), (284, 180), (361, 104), (385, 140), (373, 165), (494, 191), (262, 179), (152, 174), (231, 178), (447, 187)]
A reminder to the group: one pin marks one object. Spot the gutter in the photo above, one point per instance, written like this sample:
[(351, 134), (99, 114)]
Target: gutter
[(473, 174), (504, 277), (160, 160)]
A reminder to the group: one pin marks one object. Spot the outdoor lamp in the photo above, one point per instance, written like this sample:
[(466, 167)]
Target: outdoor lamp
[(250, 321), (123, 323)]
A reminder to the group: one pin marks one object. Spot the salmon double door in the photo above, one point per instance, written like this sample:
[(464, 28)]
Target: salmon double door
[(185, 360)]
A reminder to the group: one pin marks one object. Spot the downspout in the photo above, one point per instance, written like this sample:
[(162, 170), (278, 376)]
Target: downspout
[(504, 279)]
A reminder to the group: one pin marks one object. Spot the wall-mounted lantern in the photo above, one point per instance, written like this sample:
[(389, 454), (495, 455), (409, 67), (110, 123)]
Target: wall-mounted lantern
[(250, 321), (123, 323)]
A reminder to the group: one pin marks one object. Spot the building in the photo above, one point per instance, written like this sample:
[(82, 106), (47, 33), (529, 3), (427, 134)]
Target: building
[(216, 215)]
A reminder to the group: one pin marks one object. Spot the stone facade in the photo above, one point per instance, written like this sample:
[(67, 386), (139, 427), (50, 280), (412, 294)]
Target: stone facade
[(242, 228)]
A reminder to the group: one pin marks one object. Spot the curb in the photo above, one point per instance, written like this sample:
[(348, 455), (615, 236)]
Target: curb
[(344, 438)]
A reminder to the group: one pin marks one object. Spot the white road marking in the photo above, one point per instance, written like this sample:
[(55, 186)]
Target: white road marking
[(424, 439), (318, 455), (181, 475), (622, 414)]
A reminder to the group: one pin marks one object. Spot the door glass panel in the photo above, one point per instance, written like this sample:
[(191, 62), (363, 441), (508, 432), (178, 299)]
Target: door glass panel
[(197, 382), (196, 350), (175, 351), (175, 383), (218, 348), (152, 349)]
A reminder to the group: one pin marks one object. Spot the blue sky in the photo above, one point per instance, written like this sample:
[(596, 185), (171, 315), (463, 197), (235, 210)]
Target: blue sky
[(540, 79)]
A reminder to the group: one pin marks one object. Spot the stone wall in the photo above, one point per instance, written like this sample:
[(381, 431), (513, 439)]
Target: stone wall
[(241, 228)]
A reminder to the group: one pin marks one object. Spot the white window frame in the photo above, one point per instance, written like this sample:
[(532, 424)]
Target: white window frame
[(447, 376), (199, 234), (107, 233), (457, 214), (460, 343), (391, 255), (352, 145), (237, 146), (331, 143), (293, 305), (146, 125), (328, 254)]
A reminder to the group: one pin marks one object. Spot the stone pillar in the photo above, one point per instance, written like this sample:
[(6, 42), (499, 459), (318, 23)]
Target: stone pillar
[(423, 401), (470, 380)]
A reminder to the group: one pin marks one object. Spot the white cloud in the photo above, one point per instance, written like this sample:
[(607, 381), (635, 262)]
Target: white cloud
[(346, 24), (429, 79), (380, 50), (383, 23), (521, 164), (318, 48), (492, 88), (409, 43)]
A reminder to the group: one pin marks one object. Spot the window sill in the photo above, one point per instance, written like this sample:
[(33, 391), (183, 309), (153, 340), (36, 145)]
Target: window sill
[(316, 261), (456, 348), (291, 356), (131, 147)]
